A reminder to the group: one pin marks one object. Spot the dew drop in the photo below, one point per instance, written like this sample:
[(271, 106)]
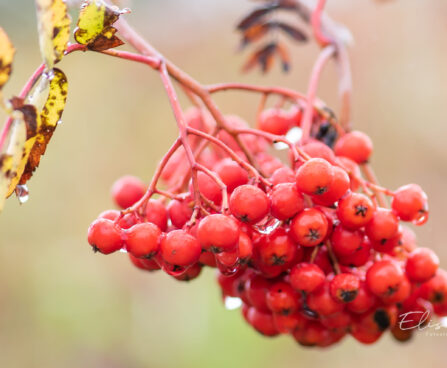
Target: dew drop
[(59, 122), (22, 193), (232, 303)]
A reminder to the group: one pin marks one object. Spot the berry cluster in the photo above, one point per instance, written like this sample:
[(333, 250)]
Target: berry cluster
[(313, 249)]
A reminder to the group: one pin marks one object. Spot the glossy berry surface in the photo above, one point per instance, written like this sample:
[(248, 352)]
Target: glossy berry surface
[(127, 190)]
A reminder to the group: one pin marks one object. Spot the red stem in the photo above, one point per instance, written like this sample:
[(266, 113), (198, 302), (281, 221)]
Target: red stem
[(321, 61), (315, 21)]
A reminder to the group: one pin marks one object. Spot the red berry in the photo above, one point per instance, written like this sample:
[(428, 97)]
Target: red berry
[(355, 145), (352, 169), (178, 248), (218, 233), (157, 214), (286, 201), (283, 175), (410, 203), (317, 149), (111, 215), (262, 322), (309, 227), (360, 256), (314, 176), (337, 189), (435, 289), (231, 174), (190, 273), (104, 236), (144, 264), (281, 298), (142, 240), (364, 301), (355, 210), (127, 190), (276, 249), (180, 212), (208, 188), (346, 242), (275, 121), (384, 278), (306, 277), (249, 204), (383, 225), (321, 301), (344, 287), (422, 264), (256, 288)]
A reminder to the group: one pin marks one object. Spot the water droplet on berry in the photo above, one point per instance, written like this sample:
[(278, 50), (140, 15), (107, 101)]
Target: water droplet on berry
[(232, 303)]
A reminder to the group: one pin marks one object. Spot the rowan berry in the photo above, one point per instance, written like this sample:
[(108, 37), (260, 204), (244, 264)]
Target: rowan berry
[(346, 242), (410, 203), (384, 278), (157, 214), (231, 174), (104, 236), (180, 212), (282, 299), (286, 201), (144, 264), (127, 190), (282, 175), (143, 240), (276, 249), (179, 248), (355, 210), (306, 277), (315, 176), (321, 301), (275, 121), (422, 264), (355, 145), (309, 227), (344, 287), (249, 204), (218, 233), (383, 225)]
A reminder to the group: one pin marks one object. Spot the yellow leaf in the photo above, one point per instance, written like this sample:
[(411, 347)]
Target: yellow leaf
[(54, 29), (6, 57), (95, 25), (31, 123), (11, 158), (49, 117)]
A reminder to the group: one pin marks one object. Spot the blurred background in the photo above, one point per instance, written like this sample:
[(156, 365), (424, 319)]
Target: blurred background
[(63, 306)]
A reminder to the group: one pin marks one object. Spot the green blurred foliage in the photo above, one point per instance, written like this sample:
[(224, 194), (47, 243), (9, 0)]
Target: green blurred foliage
[(63, 306)]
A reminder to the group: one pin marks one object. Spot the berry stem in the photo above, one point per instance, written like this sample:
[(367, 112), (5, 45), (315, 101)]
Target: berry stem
[(326, 54), (333, 257)]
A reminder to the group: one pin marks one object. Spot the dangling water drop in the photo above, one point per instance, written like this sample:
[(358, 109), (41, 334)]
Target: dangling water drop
[(22, 193), (232, 303), (59, 122)]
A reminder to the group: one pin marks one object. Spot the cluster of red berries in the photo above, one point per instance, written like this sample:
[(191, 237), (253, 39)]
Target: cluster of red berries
[(308, 250)]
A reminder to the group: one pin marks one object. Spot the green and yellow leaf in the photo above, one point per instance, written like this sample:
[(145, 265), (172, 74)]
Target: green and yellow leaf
[(95, 26), (6, 57), (54, 29)]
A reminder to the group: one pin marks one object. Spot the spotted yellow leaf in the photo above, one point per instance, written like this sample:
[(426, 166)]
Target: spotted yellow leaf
[(6, 57), (94, 27), (49, 117), (11, 158), (31, 119), (54, 29)]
